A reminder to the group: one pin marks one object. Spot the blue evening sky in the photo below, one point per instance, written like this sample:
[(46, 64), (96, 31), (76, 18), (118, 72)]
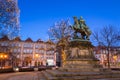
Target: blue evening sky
[(36, 16)]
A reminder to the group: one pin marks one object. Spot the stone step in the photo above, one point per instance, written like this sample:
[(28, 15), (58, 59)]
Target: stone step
[(57, 75), (80, 69), (94, 78), (65, 73), (89, 66), (112, 76), (60, 73), (48, 76), (82, 64), (106, 79)]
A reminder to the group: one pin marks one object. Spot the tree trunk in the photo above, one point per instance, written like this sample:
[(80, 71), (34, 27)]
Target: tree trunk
[(108, 58)]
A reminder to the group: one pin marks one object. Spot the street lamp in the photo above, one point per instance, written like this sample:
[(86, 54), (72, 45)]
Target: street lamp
[(2, 57), (37, 56)]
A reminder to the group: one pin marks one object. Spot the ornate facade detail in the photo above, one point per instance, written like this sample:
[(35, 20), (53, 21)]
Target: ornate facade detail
[(25, 51)]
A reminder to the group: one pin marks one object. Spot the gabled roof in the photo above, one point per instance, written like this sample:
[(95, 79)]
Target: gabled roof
[(17, 39), (49, 42), (28, 40), (39, 41), (5, 38)]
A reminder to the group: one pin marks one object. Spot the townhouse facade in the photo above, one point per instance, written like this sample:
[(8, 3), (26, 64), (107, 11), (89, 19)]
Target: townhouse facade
[(101, 52), (28, 52)]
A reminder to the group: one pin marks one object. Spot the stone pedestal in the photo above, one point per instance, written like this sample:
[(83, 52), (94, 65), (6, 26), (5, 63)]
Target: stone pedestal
[(80, 57), (81, 65), (80, 49)]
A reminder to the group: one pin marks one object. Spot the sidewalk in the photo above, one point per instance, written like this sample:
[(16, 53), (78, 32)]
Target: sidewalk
[(22, 76)]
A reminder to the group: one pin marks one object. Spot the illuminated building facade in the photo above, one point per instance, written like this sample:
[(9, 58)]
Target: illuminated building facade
[(101, 52), (28, 53)]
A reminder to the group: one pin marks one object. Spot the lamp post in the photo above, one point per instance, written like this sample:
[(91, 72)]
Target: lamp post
[(37, 56), (2, 57)]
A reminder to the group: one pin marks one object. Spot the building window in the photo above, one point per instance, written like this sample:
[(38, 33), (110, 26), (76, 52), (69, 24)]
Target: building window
[(28, 45), (31, 51), (24, 51), (4, 44), (19, 45), (18, 50), (27, 50), (41, 51), (37, 46), (15, 50)]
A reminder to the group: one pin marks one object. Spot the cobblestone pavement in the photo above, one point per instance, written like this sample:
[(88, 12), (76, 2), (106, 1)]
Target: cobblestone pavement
[(22, 76)]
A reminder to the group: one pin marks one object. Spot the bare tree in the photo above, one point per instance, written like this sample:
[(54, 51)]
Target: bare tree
[(107, 37), (9, 18), (60, 30), (60, 34)]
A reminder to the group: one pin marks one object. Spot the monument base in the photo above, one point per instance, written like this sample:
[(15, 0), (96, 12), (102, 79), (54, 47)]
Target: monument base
[(82, 74), (76, 65)]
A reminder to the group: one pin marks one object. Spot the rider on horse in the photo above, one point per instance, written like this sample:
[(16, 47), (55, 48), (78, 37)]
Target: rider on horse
[(80, 27)]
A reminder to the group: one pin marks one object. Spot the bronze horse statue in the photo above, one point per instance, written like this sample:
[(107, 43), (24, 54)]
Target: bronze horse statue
[(80, 27)]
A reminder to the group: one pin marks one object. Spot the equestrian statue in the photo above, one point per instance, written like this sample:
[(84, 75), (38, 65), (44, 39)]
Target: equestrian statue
[(81, 30)]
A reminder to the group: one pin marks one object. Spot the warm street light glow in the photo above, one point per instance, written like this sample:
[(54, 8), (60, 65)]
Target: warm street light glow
[(1, 56), (115, 57), (5, 56), (36, 55)]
